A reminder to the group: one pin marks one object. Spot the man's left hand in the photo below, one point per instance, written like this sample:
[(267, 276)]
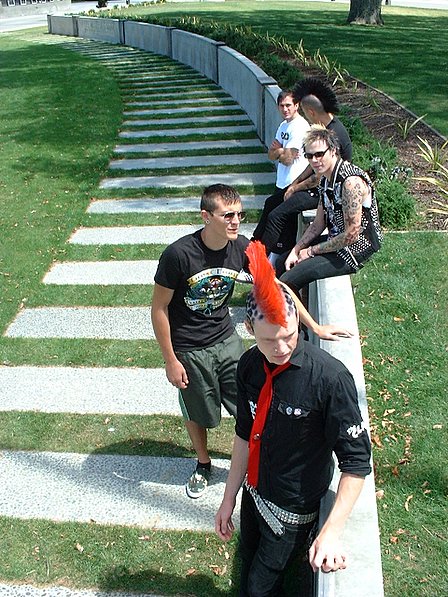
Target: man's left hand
[(332, 332), (328, 555), (302, 255)]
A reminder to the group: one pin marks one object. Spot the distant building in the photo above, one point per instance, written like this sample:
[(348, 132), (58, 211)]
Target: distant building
[(20, 8)]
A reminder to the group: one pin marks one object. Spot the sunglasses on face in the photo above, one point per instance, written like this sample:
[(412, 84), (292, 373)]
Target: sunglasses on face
[(229, 215), (316, 154)]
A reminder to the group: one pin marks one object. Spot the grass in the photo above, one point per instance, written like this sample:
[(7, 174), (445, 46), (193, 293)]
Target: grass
[(401, 298), (133, 435), (401, 302), (405, 58), (113, 558)]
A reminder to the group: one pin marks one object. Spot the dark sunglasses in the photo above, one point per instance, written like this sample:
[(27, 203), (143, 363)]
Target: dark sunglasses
[(229, 215), (316, 154)]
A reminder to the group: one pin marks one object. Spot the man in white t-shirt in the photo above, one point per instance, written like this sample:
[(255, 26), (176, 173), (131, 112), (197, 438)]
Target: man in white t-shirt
[(286, 149)]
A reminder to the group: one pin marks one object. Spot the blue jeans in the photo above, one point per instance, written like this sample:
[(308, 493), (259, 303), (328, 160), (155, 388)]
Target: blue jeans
[(265, 556)]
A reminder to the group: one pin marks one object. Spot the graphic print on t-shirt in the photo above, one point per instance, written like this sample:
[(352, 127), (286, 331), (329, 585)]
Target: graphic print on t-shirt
[(209, 289)]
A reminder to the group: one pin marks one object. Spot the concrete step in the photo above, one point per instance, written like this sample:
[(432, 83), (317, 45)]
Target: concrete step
[(88, 390), (141, 491), (187, 146), (222, 101), (101, 273), (161, 205), (169, 80), (165, 75), (174, 133), (187, 93), (113, 323), (185, 110), (191, 180), (58, 591), (204, 120), (164, 163), (135, 235), (161, 88)]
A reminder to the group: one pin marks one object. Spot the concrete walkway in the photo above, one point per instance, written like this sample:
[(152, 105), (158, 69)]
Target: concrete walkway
[(141, 491)]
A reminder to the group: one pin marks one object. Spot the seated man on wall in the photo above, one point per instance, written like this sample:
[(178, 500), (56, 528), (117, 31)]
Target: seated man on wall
[(347, 209), (296, 405), (319, 104), (287, 150)]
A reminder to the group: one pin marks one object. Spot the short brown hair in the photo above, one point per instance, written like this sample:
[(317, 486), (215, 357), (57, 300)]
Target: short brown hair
[(215, 192)]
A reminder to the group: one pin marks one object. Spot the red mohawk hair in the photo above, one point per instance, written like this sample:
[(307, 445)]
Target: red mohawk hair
[(267, 292)]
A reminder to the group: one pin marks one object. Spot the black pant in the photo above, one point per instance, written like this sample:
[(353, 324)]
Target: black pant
[(327, 265), (277, 228), (266, 556)]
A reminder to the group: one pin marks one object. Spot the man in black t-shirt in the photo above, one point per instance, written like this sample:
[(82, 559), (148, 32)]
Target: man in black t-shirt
[(296, 405), (193, 286)]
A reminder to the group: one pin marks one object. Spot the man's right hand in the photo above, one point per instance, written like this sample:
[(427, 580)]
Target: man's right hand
[(176, 374), (289, 192), (292, 259), (223, 521)]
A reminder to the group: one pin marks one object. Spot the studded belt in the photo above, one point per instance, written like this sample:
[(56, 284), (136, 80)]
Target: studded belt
[(273, 515)]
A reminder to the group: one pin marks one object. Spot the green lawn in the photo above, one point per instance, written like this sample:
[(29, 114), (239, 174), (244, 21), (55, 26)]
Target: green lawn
[(407, 58), (59, 116)]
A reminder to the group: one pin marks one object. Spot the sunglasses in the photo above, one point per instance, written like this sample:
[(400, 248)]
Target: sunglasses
[(316, 154), (229, 215)]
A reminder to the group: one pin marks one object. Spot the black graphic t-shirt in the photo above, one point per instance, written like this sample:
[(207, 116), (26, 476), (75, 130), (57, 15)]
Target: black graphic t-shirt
[(203, 281)]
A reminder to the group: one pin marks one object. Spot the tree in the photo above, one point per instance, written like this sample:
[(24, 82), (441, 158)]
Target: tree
[(366, 12)]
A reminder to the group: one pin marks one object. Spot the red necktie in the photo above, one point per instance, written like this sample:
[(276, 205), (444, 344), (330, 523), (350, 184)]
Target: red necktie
[(263, 405)]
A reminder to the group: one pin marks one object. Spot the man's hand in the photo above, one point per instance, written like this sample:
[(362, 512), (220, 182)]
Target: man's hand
[(295, 257), (291, 260), (276, 144), (332, 332), (176, 374), (289, 192), (223, 521), (327, 553)]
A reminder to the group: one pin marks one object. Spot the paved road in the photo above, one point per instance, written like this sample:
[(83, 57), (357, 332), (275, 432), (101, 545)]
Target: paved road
[(15, 23)]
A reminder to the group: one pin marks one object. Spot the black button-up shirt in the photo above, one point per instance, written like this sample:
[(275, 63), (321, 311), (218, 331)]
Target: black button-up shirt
[(314, 411)]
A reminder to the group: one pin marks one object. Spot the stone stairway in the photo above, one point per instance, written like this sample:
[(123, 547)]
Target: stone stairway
[(164, 102)]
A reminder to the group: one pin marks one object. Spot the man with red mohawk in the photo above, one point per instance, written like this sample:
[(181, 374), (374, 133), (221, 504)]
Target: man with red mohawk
[(296, 404)]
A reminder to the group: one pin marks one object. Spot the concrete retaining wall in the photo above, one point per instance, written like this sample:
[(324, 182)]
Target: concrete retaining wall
[(149, 37), (272, 117), (110, 30), (201, 53), (245, 82), (59, 25), (331, 301)]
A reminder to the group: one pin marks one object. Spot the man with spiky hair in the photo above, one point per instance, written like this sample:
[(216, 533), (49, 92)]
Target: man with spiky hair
[(296, 405), (320, 105)]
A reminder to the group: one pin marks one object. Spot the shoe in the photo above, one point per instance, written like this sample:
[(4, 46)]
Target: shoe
[(197, 483)]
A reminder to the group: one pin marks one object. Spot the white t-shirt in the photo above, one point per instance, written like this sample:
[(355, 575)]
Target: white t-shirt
[(290, 134)]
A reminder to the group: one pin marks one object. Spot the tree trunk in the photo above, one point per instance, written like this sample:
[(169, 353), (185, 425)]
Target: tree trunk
[(365, 12)]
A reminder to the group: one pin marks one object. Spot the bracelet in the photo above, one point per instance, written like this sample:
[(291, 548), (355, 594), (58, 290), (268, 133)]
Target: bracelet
[(309, 252)]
